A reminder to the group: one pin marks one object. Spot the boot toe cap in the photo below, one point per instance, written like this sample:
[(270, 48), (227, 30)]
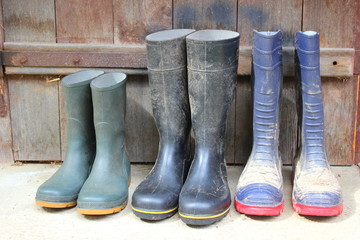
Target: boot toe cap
[(259, 195), (56, 193), (159, 200), (318, 199)]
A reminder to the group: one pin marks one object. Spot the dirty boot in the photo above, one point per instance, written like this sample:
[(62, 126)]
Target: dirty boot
[(157, 195), (260, 187), (62, 189), (106, 189), (212, 70), (316, 190)]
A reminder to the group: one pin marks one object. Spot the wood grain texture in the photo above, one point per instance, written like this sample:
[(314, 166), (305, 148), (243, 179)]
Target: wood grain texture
[(29, 21), (6, 152), (142, 138), (339, 108), (35, 118), (62, 123), (134, 19), (333, 19), (84, 21), (205, 14), (269, 15), (243, 131)]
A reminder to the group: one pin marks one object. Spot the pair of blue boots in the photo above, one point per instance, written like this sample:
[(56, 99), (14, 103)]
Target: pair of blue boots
[(96, 171), (316, 191)]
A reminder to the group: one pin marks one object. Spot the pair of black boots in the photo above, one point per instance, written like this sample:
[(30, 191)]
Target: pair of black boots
[(316, 191), (96, 170), (192, 77)]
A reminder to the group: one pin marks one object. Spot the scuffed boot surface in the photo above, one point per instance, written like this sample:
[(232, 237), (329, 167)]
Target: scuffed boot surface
[(157, 196), (62, 189), (212, 65), (316, 190), (260, 187)]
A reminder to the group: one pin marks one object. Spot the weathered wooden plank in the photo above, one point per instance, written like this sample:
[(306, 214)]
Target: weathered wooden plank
[(243, 111), (35, 118), (356, 84), (269, 15), (339, 107), (6, 154), (334, 20), (62, 122), (134, 19), (84, 21), (205, 14), (142, 137), (333, 62), (29, 21)]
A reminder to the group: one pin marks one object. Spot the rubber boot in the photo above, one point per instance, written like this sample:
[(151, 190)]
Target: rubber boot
[(212, 70), (62, 189), (260, 187), (106, 189), (157, 196), (316, 190)]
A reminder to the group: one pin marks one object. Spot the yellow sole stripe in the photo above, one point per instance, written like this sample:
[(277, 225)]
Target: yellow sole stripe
[(151, 212), (205, 217)]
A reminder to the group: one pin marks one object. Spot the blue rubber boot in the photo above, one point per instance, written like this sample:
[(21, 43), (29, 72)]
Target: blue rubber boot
[(260, 187), (316, 190)]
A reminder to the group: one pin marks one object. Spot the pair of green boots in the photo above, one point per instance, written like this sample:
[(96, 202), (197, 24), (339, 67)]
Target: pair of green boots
[(96, 171)]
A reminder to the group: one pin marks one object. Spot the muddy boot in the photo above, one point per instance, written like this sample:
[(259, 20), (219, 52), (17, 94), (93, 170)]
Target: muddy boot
[(316, 190), (106, 189), (212, 70), (157, 195), (62, 189), (260, 187)]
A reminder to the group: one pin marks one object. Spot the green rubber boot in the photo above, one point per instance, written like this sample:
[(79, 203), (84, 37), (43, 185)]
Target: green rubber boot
[(62, 189), (106, 189)]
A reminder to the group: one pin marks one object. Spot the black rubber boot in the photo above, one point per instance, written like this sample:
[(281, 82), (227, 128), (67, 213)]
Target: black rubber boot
[(62, 189), (316, 190), (157, 196), (106, 189), (212, 70), (260, 187)]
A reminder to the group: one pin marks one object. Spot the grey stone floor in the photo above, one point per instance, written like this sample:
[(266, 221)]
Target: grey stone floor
[(20, 218)]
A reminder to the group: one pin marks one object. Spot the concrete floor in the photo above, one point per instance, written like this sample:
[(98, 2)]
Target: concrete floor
[(20, 218)]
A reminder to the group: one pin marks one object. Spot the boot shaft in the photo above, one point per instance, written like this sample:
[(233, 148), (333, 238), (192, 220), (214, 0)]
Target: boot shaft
[(109, 101), (311, 109), (79, 108), (266, 84), (212, 71), (166, 55)]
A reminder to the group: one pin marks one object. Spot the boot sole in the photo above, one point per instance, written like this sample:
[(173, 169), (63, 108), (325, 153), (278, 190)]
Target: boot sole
[(55, 205), (203, 220), (154, 215), (101, 211), (317, 211), (259, 211)]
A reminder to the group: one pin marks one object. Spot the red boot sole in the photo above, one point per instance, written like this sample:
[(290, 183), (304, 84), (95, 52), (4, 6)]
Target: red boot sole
[(317, 211), (259, 211)]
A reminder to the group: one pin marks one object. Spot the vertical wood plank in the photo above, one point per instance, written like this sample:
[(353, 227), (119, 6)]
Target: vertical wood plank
[(6, 154), (29, 21), (142, 137), (62, 122), (35, 118), (84, 21), (334, 20), (288, 121), (269, 15), (244, 126), (339, 108), (205, 14), (134, 19)]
